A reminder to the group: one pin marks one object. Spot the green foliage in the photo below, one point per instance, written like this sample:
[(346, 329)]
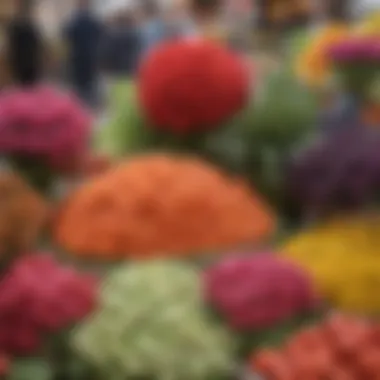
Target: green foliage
[(296, 43), (124, 130), (28, 369), (283, 113), (281, 117), (151, 324)]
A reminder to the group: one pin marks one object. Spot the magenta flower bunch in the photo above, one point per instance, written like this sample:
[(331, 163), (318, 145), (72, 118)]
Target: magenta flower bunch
[(39, 296), (45, 123), (258, 291), (356, 49)]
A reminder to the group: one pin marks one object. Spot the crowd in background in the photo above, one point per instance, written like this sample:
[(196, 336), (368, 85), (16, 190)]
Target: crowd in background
[(96, 48)]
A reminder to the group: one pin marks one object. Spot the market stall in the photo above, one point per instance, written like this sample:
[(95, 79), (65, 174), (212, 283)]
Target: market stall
[(223, 221)]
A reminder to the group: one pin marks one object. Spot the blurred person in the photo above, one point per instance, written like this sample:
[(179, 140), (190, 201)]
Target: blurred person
[(122, 46), (339, 10), (152, 25), (83, 35), (240, 19), (207, 16), (24, 46), (178, 23), (206, 10)]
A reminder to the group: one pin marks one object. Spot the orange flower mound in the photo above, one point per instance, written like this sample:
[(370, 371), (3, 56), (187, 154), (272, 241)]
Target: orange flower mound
[(22, 217), (342, 347), (161, 205)]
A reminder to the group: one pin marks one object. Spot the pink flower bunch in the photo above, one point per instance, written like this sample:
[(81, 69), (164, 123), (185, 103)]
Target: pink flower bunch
[(356, 49), (257, 292), (40, 296), (44, 122)]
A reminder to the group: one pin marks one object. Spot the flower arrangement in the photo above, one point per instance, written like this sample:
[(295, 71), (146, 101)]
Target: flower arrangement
[(43, 131), (338, 172), (150, 323), (340, 347), (161, 205), (22, 218), (192, 86), (342, 257), (258, 292), (356, 60), (312, 63), (39, 297)]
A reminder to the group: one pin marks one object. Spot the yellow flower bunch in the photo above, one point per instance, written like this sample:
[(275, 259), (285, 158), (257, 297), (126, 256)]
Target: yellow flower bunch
[(343, 257), (312, 64), (369, 26)]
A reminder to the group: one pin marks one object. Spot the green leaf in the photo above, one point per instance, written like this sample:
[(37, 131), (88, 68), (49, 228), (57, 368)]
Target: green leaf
[(123, 131), (28, 369)]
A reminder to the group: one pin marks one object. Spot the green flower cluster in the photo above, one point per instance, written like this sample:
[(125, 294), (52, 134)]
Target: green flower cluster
[(152, 324)]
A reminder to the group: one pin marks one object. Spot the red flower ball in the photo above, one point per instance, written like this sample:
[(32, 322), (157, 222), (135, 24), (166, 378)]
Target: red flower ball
[(192, 86)]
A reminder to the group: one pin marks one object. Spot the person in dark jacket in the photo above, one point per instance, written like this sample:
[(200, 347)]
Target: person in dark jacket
[(122, 46), (83, 36), (25, 47)]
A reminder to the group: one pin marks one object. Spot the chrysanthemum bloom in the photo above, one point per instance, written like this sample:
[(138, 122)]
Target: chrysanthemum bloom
[(151, 323), (192, 86), (313, 64), (156, 205), (38, 297), (23, 215), (44, 127), (343, 258), (339, 172), (259, 291)]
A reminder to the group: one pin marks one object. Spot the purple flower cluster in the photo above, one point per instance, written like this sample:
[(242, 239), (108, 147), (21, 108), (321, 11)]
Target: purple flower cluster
[(43, 122), (356, 49), (258, 291), (339, 172)]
